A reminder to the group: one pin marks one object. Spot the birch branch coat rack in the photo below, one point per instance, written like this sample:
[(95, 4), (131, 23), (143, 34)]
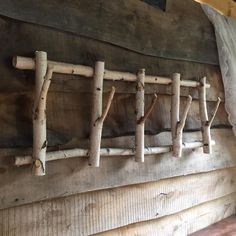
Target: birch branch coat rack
[(43, 74)]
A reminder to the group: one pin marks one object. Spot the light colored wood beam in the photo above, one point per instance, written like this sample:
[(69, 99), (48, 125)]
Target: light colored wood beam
[(224, 7)]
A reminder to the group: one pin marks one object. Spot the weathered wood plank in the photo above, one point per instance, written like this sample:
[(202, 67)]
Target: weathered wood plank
[(182, 223), (73, 176), (94, 212), (119, 22), (32, 37)]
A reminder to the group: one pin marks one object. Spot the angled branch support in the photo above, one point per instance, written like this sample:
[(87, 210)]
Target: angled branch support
[(149, 110), (43, 77), (98, 116), (178, 140), (108, 105), (177, 125), (214, 111), (205, 122)]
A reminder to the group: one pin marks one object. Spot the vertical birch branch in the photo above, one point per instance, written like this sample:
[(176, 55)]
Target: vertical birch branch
[(139, 110), (177, 125), (97, 116), (39, 117), (175, 105), (206, 134), (205, 122)]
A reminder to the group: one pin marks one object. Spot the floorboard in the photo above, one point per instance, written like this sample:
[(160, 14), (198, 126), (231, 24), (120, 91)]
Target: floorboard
[(226, 227)]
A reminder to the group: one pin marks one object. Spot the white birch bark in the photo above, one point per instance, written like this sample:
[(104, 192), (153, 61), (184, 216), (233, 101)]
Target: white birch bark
[(178, 140), (98, 117), (175, 104), (139, 110), (26, 63), (177, 126), (39, 118), (105, 152), (205, 122)]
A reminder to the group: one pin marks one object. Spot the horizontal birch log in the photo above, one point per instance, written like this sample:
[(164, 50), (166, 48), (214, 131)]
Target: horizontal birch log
[(26, 63), (115, 171), (105, 152)]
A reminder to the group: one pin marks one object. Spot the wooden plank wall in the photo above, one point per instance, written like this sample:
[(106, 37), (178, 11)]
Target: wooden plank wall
[(164, 195), (128, 21), (93, 212)]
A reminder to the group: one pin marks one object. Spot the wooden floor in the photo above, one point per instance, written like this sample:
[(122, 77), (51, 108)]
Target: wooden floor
[(226, 227)]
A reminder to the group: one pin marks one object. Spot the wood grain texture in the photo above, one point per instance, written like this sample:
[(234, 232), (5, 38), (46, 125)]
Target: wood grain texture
[(73, 176), (68, 116), (67, 92), (32, 37), (223, 227), (160, 34), (183, 223), (94, 212)]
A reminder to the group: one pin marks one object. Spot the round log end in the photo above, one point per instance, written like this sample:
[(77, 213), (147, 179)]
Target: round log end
[(176, 76), (14, 61)]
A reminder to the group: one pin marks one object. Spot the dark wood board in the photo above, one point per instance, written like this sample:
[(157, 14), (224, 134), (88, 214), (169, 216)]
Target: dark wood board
[(23, 39), (68, 117), (132, 24)]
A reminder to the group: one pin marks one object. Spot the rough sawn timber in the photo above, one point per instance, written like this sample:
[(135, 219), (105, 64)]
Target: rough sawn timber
[(159, 33), (73, 176), (183, 223), (87, 52), (93, 212)]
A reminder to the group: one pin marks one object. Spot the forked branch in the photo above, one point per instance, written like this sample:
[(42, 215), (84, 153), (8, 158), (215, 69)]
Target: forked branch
[(185, 114), (98, 116), (177, 142), (214, 111), (108, 105), (149, 110), (44, 91), (205, 122)]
